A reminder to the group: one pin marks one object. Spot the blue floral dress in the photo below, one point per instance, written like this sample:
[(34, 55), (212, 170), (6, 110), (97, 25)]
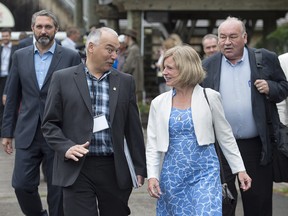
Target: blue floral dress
[(190, 176)]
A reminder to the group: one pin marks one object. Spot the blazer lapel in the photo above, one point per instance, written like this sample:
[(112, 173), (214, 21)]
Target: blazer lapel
[(81, 83), (114, 83), (55, 60), (30, 64), (217, 73)]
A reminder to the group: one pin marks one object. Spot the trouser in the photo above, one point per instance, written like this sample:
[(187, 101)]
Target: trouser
[(95, 191), (257, 201), (26, 178)]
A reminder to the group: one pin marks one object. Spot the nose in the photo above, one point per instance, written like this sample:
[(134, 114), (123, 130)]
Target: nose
[(114, 54)]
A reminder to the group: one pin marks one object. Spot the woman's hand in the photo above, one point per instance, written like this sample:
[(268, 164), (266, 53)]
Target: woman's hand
[(153, 188)]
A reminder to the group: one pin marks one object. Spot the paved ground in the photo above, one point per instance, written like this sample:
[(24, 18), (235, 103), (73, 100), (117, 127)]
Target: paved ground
[(140, 203)]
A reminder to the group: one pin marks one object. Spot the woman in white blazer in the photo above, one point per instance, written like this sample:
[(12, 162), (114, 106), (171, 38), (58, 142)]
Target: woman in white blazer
[(182, 164), (283, 106)]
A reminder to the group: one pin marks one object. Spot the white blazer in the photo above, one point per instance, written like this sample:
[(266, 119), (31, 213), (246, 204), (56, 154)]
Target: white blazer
[(283, 106), (204, 117)]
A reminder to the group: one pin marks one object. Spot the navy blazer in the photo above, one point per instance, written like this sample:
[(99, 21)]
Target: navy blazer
[(278, 91), (21, 121), (68, 120)]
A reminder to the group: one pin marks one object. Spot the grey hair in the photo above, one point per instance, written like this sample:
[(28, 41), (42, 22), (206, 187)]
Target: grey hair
[(45, 13), (95, 35), (229, 19)]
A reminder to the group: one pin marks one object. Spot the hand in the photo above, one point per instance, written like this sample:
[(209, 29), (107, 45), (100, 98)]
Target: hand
[(153, 188), (262, 86), (245, 180), (140, 180), (7, 144), (77, 151), (4, 99)]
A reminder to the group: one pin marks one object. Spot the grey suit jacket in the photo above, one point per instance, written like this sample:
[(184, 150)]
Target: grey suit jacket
[(22, 121), (68, 120), (278, 91)]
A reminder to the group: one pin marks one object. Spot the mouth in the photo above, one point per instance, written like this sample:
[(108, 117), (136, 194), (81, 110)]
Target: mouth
[(167, 79), (228, 49)]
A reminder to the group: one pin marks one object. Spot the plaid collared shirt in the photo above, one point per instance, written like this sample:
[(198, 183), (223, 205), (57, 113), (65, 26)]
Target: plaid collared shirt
[(101, 143)]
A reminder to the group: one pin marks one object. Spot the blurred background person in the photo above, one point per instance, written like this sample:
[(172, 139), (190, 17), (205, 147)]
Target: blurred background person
[(6, 52), (173, 40), (73, 36), (122, 53), (210, 45), (167, 44), (133, 63)]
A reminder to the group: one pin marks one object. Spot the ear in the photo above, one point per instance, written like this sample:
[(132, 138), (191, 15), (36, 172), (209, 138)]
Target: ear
[(90, 47)]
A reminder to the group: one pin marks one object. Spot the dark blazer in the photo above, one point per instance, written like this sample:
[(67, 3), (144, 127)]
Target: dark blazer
[(13, 49), (28, 41), (22, 121), (68, 120), (278, 91)]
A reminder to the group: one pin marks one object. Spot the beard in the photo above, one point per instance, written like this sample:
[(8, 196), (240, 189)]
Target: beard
[(44, 40)]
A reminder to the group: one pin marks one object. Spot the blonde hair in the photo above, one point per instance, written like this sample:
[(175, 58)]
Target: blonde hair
[(188, 63)]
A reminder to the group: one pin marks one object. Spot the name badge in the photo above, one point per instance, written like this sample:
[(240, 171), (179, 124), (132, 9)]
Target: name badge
[(100, 123)]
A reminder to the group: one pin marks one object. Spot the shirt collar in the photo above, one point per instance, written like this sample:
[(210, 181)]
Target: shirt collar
[(105, 74), (9, 45)]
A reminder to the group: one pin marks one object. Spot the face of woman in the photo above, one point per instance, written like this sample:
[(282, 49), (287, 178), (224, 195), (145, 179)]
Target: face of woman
[(170, 71)]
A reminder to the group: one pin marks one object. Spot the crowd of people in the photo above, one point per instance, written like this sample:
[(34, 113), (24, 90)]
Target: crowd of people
[(79, 113)]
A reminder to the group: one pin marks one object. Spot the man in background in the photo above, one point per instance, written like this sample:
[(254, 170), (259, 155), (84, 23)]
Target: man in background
[(6, 51), (73, 36), (210, 45), (29, 80), (134, 64)]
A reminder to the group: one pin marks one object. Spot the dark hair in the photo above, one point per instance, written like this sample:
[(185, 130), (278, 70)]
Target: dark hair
[(6, 30)]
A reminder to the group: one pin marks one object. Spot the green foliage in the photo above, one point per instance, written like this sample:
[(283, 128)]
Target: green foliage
[(143, 107), (278, 39)]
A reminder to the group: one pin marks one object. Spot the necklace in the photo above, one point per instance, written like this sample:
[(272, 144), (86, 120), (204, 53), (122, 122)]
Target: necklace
[(179, 118)]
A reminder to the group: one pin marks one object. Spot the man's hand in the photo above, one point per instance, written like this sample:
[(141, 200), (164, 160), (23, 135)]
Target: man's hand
[(262, 86), (77, 151), (4, 97), (7, 144), (140, 180), (245, 180)]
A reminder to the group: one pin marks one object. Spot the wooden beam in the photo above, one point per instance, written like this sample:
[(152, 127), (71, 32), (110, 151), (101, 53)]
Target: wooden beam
[(211, 5)]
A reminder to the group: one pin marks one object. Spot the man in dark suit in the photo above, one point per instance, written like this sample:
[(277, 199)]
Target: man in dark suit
[(245, 90), (6, 51), (29, 79), (90, 110)]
